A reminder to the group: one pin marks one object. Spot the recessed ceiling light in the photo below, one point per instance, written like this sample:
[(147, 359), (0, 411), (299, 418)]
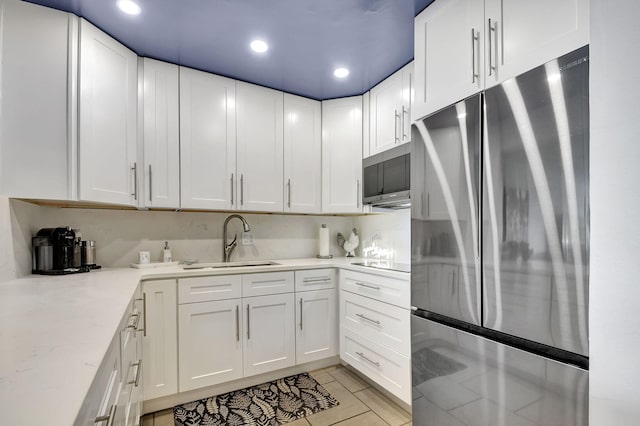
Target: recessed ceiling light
[(259, 46), (129, 7), (341, 72)]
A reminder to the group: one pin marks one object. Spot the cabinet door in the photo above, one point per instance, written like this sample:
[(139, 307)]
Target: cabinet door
[(302, 154), (260, 148), (385, 114), (161, 134), (108, 126), (525, 35), (37, 132), (207, 140), (159, 342), (448, 54), (210, 344), (342, 155), (316, 329), (269, 335)]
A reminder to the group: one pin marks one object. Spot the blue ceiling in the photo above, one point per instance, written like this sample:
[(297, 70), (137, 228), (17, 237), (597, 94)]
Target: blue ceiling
[(308, 39)]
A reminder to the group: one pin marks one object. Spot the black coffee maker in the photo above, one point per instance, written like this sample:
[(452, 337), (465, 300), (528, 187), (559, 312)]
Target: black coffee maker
[(56, 252)]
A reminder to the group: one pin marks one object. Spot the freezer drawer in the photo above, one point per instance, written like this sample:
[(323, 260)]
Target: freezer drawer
[(459, 378)]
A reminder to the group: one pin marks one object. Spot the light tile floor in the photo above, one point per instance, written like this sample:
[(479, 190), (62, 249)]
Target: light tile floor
[(360, 404)]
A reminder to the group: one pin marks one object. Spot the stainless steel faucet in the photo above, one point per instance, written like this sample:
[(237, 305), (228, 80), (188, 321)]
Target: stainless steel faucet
[(227, 249)]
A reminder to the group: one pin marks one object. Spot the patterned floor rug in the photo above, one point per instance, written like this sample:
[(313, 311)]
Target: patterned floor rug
[(269, 404)]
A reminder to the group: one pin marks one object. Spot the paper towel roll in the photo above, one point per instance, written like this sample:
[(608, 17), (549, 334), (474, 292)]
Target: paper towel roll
[(324, 241)]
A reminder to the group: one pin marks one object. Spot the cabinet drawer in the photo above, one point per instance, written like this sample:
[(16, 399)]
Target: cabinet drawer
[(206, 289), (384, 289), (385, 324), (387, 368), (315, 279), (267, 283)]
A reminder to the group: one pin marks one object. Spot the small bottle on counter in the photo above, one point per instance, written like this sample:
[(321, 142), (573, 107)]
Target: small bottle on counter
[(166, 253)]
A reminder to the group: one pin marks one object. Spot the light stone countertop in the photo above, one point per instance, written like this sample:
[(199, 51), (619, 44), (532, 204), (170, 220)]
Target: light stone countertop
[(55, 331)]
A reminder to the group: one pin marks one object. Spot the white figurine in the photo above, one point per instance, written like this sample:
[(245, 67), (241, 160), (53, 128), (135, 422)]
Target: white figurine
[(351, 244)]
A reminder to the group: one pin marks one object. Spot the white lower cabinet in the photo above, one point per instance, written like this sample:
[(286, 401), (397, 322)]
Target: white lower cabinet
[(209, 344), (375, 335), (114, 397), (268, 330), (160, 346), (316, 330)]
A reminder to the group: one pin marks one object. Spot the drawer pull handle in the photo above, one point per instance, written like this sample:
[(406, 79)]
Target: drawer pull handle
[(316, 280), (368, 286), (133, 324), (368, 319), (109, 418), (376, 363), (136, 380)]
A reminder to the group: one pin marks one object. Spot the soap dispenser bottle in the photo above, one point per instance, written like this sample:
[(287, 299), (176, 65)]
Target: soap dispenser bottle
[(166, 253)]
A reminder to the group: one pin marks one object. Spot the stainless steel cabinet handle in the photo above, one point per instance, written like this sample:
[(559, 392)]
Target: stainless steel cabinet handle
[(144, 313), (377, 364), (109, 418), (231, 188), (474, 40), (316, 280), (289, 191), (492, 38), (404, 111), (135, 181), (368, 319), (136, 320), (237, 323), (136, 380), (368, 286), (357, 193), (301, 313), (428, 206), (150, 183), (248, 324), (241, 189), (396, 118)]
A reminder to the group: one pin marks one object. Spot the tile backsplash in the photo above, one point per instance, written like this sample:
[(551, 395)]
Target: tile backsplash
[(121, 234)]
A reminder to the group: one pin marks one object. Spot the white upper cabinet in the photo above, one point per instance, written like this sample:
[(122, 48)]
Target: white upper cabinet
[(463, 46), (260, 148), (108, 119), (448, 54), (523, 35), (390, 111), (38, 86), (302, 154), (161, 134), (342, 155), (207, 141)]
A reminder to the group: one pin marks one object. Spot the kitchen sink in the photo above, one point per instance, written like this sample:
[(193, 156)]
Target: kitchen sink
[(216, 265)]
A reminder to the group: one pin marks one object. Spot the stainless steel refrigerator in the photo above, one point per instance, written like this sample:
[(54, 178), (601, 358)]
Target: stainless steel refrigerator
[(500, 253)]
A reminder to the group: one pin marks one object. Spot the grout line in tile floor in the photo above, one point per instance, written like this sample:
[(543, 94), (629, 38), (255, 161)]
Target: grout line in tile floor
[(384, 411)]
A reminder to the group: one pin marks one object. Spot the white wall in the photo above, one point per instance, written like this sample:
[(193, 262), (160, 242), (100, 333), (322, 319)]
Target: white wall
[(614, 300)]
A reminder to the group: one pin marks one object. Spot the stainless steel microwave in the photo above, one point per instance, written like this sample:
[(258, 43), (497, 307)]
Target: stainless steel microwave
[(387, 178)]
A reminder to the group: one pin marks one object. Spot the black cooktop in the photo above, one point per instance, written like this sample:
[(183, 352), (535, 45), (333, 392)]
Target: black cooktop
[(385, 264)]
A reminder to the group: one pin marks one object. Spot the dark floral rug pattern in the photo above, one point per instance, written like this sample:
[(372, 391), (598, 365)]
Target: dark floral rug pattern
[(269, 404)]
